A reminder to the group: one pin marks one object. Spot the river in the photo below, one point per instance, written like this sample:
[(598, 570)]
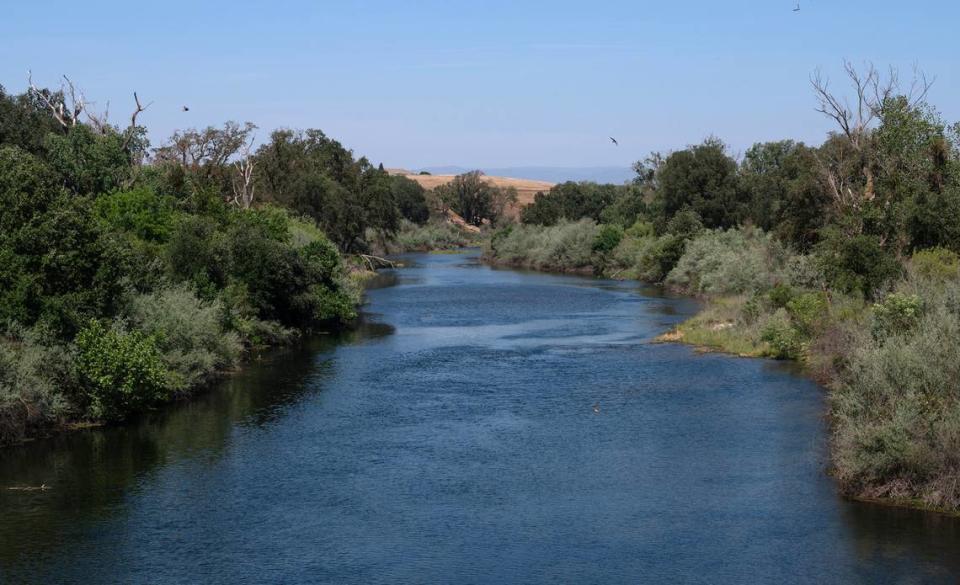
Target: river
[(480, 426)]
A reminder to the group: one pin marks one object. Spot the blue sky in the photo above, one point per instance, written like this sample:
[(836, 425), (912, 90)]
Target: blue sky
[(496, 83)]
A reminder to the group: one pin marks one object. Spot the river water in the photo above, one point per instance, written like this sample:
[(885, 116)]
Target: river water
[(481, 426)]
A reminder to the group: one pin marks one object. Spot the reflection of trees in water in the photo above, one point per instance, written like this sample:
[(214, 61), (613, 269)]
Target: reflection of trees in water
[(888, 536), (89, 472)]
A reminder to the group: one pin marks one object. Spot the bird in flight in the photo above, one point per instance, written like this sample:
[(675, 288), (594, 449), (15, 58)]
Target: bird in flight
[(614, 141), (797, 9), (186, 109)]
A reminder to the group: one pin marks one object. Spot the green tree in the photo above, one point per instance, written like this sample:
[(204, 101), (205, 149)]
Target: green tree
[(89, 163), (410, 198), (702, 178), (781, 181), (475, 199)]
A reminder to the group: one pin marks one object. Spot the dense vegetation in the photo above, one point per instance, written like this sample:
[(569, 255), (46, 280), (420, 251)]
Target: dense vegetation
[(843, 256), (132, 275)]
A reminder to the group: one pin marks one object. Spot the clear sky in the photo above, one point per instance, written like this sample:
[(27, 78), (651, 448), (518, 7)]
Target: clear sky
[(481, 83)]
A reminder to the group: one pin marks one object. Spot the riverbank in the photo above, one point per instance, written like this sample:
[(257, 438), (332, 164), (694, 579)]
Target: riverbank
[(171, 348), (888, 362), (284, 455)]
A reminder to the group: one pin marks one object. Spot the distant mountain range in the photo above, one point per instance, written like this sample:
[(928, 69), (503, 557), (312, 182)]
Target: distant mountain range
[(615, 175)]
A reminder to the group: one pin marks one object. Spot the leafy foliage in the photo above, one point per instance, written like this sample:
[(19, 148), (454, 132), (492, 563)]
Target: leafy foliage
[(475, 199), (123, 370)]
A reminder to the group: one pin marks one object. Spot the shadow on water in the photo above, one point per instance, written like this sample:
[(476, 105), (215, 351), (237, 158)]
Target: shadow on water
[(88, 473), (889, 536)]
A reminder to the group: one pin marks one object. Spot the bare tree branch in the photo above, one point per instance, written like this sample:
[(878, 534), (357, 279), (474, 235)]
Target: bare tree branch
[(243, 185), (872, 91)]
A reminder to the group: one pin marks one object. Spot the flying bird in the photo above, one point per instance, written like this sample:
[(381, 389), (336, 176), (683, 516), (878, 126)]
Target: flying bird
[(797, 9), (614, 141), (186, 109)]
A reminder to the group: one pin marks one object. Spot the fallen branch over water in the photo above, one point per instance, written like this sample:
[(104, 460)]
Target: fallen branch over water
[(375, 262)]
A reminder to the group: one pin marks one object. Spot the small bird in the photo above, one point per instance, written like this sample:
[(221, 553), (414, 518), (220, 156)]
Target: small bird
[(614, 141), (186, 109), (596, 408)]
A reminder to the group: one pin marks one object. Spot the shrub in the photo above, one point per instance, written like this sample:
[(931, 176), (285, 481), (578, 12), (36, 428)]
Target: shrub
[(188, 332), (686, 223), (434, 235), (804, 271), (725, 262), (607, 238), (780, 334), (936, 263), (140, 211), (807, 310), (35, 380), (640, 229), (857, 264), (898, 314), (122, 371), (780, 294), (896, 414), (240, 316), (565, 246), (303, 230), (198, 251)]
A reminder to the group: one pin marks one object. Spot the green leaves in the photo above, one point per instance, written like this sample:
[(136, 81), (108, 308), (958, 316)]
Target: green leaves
[(123, 371)]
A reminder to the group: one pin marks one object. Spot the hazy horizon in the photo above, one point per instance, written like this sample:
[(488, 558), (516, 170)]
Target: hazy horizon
[(497, 85)]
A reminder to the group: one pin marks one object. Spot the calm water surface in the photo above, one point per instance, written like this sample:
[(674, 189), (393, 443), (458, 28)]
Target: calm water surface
[(453, 439)]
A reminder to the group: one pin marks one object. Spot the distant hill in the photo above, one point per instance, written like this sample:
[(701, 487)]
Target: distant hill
[(526, 188), (616, 175)]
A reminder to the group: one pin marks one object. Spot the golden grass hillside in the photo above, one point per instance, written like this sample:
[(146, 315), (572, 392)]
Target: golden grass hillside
[(526, 188)]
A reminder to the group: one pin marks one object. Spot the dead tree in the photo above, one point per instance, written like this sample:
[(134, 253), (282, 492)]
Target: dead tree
[(69, 103), (856, 121), (243, 185), (68, 115)]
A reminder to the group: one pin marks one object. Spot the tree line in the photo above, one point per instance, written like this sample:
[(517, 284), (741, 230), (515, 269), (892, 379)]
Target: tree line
[(132, 274)]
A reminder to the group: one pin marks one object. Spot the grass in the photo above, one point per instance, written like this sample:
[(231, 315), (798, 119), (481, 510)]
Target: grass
[(719, 327)]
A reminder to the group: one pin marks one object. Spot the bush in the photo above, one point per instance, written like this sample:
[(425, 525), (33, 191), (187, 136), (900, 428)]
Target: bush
[(898, 314), (434, 235), (140, 211), (807, 310), (188, 332), (607, 238), (857, 264), (784, 340), (662, 257), (198, 252), (122, 371), (896, 415), (640, 229), (936, 264), (728, 262), (35, 379), (565, 246), (780, 295)]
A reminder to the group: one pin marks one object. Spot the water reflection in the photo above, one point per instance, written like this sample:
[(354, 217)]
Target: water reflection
[(88, 474)]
